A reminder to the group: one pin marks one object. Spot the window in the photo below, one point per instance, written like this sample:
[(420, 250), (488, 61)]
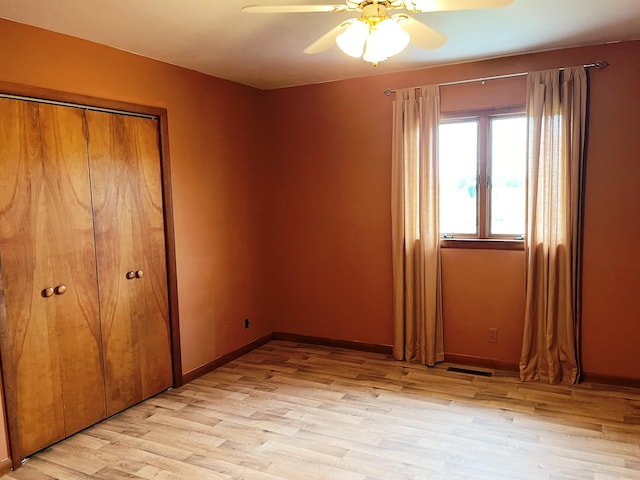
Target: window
[(482, 163)]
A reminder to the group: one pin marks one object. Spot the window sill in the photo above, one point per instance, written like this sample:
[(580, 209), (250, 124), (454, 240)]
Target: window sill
[(482, 244)]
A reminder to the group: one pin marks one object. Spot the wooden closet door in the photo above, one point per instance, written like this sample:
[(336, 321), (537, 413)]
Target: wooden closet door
[(129, 222), (51, 346)]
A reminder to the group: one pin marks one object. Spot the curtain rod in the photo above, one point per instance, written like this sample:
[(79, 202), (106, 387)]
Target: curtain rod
[(600, 64)]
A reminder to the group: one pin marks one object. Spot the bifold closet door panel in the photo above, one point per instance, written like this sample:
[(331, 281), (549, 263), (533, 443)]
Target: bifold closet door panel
[(130, 245), (49, 320)]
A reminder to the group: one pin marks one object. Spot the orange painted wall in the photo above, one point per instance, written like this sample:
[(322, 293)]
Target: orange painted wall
[(483, 289), (330, 259), (611, 304), (214, 138), (330, 241)]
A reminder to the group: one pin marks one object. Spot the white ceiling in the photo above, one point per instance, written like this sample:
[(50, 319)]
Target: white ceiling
[(265, 51)]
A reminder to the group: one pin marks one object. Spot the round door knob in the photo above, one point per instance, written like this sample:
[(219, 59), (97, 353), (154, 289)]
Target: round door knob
[(139, 274), (48, 292), (60, 289), (131, 275)]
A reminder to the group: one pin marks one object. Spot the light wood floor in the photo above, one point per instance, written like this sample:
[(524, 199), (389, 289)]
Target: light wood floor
[(290, 411)]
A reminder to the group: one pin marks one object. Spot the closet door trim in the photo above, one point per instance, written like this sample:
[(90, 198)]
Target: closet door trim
[(36, 94), (75, 105)]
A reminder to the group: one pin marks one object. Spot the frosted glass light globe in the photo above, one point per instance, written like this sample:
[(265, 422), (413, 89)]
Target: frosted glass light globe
[(352, 40), (385, 40)]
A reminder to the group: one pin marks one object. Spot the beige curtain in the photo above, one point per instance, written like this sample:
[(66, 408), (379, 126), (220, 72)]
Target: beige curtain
[(416, 234), (556, 109)]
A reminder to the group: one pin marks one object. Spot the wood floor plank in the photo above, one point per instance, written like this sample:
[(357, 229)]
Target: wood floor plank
[(289, 411)]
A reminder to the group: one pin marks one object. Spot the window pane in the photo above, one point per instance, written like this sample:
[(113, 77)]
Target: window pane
[(508, 175), (458, 165)]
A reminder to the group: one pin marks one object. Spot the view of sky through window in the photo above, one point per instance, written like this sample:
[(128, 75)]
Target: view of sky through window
[(508, 175), (458, 167), (492, 149)]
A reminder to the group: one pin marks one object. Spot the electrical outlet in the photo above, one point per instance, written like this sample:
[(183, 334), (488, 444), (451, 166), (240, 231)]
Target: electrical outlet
[(246, 323), (493, 335)]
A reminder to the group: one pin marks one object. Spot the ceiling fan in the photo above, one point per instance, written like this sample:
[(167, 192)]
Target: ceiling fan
[(375, 35)]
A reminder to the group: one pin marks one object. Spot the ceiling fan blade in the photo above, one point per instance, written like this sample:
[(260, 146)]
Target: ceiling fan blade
[(328, 40), (293, 8), (449, 5), (421, 35)]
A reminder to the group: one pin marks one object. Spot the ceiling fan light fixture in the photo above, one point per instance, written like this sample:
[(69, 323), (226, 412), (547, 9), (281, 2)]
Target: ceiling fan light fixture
[(376, 35), (352, 40), (373, 39)]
